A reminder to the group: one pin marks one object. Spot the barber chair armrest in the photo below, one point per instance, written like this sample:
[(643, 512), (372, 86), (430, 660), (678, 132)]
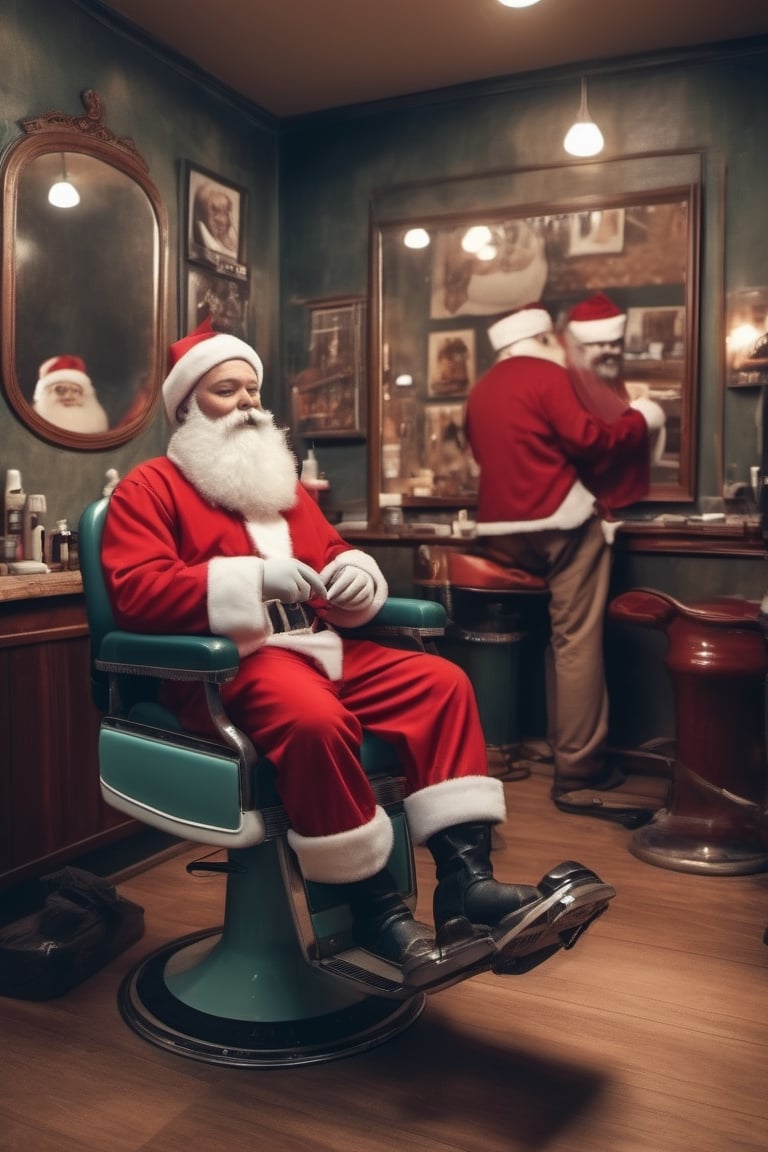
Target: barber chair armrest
[(206, 658), (404, 619)]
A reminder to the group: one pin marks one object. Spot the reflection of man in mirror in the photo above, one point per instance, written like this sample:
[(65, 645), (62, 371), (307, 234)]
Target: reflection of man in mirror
[(214, 222), (594, 345), (65, 396)]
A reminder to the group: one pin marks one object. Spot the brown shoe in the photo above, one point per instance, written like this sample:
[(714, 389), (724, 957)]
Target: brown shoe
[(631, 802)]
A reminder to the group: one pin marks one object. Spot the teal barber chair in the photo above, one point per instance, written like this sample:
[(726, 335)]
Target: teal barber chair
[(280, 982)]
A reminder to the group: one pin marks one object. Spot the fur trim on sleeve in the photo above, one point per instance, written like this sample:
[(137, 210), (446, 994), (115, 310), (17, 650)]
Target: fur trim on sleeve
[(235, 606)]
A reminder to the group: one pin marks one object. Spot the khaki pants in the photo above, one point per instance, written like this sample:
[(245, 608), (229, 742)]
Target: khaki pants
[(576, 564)]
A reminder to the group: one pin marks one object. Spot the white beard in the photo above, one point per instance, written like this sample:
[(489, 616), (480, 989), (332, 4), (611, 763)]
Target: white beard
[(87, 417), (240, 461)]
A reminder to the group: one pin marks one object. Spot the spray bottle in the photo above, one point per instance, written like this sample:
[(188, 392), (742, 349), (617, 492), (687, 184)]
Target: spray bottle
[(34, 511), (13, 523)]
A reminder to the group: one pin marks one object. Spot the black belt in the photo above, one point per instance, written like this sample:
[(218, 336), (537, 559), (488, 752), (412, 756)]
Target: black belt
[(292, 617)]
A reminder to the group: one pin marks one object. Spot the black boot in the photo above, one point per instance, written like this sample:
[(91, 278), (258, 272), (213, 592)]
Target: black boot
[(527, 924), (383, 924), (467, 896)]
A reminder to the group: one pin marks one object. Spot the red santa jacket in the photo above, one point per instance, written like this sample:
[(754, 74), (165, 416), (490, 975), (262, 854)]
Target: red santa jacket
[(174, 562), (534, 441)]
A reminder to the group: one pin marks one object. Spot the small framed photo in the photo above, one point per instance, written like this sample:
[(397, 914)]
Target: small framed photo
[(597, 233), (223, 299), (446, 450), (655, 333), (451, 367), (214, 222), (327, 395)]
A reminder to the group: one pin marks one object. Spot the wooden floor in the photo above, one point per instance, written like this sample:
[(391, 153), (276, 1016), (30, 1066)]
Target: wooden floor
[(650, 1036)]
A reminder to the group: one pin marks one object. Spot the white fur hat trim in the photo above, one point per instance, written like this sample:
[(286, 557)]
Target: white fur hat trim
[(602, 331), (518, 326), (200, 358)]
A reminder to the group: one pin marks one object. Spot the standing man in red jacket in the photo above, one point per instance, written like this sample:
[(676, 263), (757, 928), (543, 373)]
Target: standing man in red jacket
[(533, 440)]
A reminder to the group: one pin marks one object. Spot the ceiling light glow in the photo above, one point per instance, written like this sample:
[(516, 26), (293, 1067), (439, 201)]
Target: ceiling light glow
[(583, 138)]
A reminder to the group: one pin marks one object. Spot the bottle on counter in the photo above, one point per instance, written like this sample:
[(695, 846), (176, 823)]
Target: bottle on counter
[(34, 510), (13, 522), (60, 546)]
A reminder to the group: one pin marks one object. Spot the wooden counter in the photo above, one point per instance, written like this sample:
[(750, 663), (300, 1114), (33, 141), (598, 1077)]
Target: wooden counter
[(35, 587), (51, 809), (734, 536)]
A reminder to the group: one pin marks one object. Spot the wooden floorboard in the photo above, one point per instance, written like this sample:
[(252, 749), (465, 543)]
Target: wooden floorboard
[(650, 1036)]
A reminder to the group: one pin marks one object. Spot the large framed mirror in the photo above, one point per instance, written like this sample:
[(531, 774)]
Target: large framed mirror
[(448, 261), (83, 281)]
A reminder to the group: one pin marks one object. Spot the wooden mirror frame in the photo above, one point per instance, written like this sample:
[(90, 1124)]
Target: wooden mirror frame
[(58, 133)]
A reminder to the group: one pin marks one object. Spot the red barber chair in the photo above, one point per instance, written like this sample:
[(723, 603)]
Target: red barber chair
[(718, 660), (497, 626)]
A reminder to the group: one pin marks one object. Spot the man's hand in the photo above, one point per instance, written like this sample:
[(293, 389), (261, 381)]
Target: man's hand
[(351, 588), (290, 581)]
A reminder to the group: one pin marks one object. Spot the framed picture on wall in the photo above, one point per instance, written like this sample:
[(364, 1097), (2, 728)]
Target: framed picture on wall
[(655, 333), (214, 221), (451, 368), (223, 299), (327, 395), (597, 232)]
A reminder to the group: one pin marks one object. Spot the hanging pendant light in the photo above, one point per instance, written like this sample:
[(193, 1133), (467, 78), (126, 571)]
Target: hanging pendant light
[(63, 194), (518, 3), (583, 138)]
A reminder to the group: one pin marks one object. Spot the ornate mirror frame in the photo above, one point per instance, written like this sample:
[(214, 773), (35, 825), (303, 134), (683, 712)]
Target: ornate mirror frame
[(113, 273)]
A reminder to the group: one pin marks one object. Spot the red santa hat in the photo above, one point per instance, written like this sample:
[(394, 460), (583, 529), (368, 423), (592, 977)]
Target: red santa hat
[(530, 320), (597, 320), (194, 355), (62, 368)]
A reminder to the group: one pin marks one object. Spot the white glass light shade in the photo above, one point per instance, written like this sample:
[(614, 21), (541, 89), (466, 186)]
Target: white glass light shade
[(583, 138), (518, 3)]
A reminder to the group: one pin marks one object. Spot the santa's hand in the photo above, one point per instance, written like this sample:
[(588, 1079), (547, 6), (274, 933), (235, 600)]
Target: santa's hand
[(290, 581), (351, 588)]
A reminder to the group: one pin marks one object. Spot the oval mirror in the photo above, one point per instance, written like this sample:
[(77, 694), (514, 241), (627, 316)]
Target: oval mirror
[(83, 281)]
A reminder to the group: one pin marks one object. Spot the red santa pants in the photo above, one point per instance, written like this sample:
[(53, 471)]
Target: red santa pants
[(310, 728)]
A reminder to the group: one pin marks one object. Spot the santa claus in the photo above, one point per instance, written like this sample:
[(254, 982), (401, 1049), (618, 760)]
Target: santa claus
[(539, 450), (218, 537), (65, 396)]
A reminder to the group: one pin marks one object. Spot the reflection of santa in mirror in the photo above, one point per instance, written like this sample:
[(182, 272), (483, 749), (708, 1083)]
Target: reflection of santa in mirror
[(65, 396)]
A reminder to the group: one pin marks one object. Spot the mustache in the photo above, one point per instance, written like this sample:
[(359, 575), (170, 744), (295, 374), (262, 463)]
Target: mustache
[(253, 418)]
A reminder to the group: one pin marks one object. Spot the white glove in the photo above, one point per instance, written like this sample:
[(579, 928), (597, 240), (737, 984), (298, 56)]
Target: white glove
[(290, 581), (351, 587)]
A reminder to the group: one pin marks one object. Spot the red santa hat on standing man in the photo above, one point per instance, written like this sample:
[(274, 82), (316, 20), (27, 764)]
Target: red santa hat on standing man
[(194, 355), (597, 320)]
